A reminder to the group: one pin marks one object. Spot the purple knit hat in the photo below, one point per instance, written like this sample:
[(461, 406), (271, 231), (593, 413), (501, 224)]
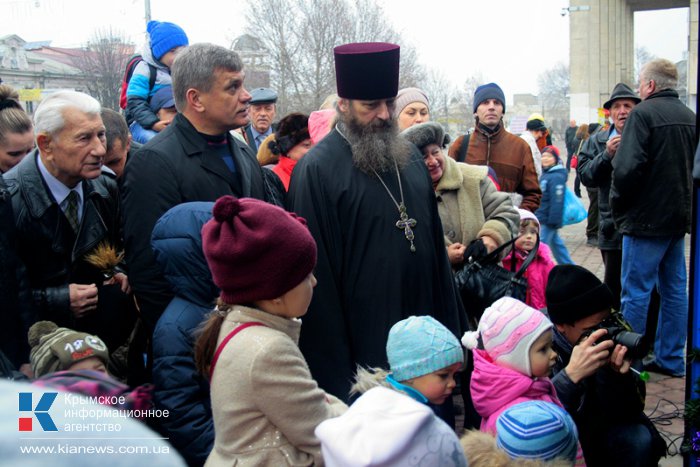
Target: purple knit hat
[(508, 328), (256, 251)]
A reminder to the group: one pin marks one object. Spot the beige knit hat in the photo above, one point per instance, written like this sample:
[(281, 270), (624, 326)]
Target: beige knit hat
[(56, 349)]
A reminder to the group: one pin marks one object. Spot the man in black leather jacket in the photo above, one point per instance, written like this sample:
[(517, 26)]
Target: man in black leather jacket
[(64, 209), (650, 198)]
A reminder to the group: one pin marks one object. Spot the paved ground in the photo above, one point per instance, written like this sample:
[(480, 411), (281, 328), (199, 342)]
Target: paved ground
[(665, 395)]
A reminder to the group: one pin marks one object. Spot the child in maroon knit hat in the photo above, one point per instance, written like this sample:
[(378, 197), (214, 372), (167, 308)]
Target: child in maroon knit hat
[(264, 401)]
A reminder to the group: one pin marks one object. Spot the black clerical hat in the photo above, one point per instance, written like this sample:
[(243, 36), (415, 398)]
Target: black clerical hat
[(367, 70)]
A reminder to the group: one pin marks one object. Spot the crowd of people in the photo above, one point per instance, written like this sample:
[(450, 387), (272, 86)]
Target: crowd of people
[(172, 255)]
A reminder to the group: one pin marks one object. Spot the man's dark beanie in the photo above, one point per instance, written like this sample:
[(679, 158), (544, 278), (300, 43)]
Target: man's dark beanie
[(574, 293), (489, 91)]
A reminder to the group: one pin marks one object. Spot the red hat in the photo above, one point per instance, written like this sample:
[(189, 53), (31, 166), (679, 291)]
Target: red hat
[(553, 150), (255, 250), (367, 70)]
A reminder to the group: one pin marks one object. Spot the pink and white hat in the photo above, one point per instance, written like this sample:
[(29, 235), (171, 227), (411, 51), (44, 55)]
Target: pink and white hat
[(508, 328)]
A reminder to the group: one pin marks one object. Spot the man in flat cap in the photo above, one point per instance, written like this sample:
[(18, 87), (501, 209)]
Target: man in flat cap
[(369, 203), (595, 171), (492, 145), (263, 107)]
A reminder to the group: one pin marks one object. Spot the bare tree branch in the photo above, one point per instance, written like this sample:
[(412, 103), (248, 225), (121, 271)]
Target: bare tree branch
[(103, 63)]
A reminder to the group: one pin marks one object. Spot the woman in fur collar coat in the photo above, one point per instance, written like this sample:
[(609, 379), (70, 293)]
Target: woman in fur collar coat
[(470, 206)]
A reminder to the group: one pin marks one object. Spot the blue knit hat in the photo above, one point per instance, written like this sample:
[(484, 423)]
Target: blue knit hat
[(419, 345), (489, 91), (537, 430), (165, 37)]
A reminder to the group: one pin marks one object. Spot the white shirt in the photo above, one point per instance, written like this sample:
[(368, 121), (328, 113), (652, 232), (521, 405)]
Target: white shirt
[(59, 191)]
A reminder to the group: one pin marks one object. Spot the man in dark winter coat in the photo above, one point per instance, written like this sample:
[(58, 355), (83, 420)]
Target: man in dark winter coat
[(179, 387), (651, 206), (595, 171), (194, 159), (369, 203), (63, 210)]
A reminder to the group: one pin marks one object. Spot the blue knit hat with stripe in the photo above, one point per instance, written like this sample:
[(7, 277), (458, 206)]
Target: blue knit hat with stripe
[(537, 430), (419, 345)]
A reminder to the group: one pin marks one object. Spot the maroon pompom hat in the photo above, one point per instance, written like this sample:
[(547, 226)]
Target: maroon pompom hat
[(255, 250), (367, 70)]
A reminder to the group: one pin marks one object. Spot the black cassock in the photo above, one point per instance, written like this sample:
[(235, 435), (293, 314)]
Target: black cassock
[(368, 278)]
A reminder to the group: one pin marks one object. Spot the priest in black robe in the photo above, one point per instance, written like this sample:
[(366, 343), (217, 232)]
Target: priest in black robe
[(369, 203)]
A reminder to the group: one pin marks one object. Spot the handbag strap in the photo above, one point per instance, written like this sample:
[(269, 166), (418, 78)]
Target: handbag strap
[(230, 336), (529, 259)]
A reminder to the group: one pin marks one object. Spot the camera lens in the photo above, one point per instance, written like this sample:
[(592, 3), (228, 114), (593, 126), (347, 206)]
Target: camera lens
[(633, 341)]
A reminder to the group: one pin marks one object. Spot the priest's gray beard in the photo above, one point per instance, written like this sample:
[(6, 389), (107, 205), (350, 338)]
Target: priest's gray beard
[(375, 146)]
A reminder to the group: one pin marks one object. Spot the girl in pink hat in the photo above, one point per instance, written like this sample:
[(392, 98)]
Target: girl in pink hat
[(513, 358)]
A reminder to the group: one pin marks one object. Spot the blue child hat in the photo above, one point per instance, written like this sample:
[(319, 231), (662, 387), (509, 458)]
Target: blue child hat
[(165, 37), (419, 345), (537, 430)]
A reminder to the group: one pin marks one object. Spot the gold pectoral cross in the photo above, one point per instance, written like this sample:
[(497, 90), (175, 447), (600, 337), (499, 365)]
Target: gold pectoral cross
[(406, 224)]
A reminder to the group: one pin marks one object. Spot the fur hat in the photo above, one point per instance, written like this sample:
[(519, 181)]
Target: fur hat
[(56, 349), (489, 91), (291, 130), (419, 345), (535, 122), (573, 293), (507, 330), (621, 91), (164, 37), (256, 250), (407, 96), (387, 428), (427, 133), (537, 430), (367, 70)]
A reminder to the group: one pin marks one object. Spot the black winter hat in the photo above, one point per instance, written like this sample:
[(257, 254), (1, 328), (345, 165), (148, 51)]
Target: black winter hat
[(621, 91), (574, 293)]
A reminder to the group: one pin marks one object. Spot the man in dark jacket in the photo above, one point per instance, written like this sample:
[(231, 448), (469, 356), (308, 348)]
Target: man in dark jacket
[(651, 201), (595, 170), (63, 210), (592, 374), (194, 159)]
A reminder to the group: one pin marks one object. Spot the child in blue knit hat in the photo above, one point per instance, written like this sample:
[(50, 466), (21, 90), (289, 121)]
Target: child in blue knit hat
[(391, 424), (164, 40)]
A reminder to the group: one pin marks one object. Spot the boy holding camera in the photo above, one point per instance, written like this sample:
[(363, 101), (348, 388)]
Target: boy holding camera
[(592, 375)]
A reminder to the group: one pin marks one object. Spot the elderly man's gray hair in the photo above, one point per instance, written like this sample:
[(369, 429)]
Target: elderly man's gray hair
[(663, 72), (194, 67), (48, 117)]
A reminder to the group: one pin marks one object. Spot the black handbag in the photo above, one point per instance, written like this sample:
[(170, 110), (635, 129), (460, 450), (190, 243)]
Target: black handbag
[(482, 281)]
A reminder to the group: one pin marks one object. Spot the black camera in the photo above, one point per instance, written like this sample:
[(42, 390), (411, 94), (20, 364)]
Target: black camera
[(619, 332)]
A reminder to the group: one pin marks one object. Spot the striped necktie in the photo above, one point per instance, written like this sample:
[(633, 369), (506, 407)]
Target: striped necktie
[(70, 208)]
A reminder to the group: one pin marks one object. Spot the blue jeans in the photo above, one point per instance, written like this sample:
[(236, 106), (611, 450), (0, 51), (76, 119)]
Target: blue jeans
[(551, 237), (660, 261), (140, 134)]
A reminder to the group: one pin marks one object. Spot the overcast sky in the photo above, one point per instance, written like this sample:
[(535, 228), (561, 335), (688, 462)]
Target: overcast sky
[(498, 38)]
